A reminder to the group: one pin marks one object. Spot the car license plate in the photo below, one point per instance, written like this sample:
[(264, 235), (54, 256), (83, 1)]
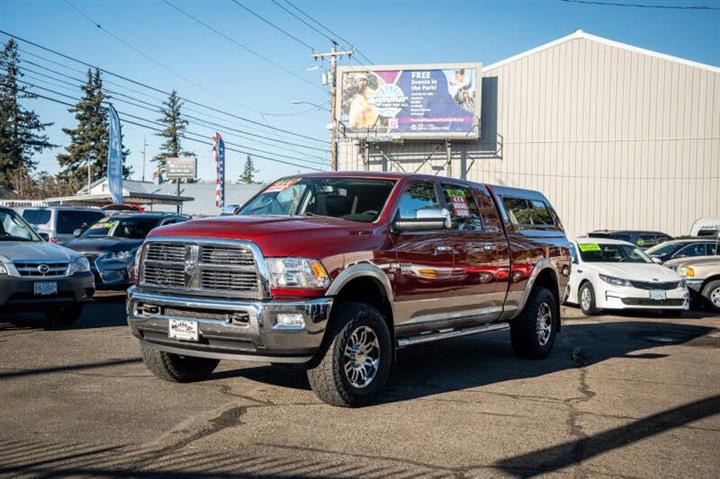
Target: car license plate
[(657, 295), (45, 288), (183, 330)]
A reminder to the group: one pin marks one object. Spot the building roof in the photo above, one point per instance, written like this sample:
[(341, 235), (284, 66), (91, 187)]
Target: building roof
[(579, 34)]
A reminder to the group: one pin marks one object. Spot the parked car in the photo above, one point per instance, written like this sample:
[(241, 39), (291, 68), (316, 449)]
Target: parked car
[(641, 239), (683, 248), (57, 224), (40, 276), (612, 274), (337, 271), (703, 278), (706, 227), (111, 243)]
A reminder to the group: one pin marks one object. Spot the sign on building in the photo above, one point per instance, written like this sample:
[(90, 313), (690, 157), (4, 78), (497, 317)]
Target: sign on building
[(410, 101), (181, 168)]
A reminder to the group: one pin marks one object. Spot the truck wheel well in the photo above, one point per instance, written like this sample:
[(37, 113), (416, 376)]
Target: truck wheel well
[(368, 291), (548, 279), (707, 280)]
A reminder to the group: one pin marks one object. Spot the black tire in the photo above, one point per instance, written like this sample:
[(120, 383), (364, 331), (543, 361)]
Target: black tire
[(587, 309), (711, 294), (64, 315), (527, 341), (176, 368), (328, 376)]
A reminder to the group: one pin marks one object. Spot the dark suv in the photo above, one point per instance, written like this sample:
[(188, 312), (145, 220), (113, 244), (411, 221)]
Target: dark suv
[(641, 239)]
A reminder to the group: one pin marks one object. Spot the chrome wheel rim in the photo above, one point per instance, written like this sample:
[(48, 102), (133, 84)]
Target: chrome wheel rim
[(585, 299), (544, 324), (715, 297), (361, 357)]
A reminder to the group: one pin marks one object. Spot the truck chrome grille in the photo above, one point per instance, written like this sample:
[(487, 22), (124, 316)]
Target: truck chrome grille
[(202, 267), (39, 269)]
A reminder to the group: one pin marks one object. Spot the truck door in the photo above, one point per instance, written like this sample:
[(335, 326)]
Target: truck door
[(477, 246), (423, 273)]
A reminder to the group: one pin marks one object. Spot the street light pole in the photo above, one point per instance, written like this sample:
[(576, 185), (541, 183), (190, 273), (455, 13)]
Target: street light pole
[(333, 55)]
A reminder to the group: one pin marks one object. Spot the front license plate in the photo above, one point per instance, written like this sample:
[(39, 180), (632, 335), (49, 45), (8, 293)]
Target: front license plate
[(183, 330), (45, 288), (657, 295)]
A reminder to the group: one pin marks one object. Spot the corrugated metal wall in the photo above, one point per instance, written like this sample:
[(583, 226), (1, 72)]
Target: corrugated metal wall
[(616, 138)]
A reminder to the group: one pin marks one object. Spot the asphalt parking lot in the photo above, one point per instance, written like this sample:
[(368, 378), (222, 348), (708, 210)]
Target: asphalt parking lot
[(621, 396)]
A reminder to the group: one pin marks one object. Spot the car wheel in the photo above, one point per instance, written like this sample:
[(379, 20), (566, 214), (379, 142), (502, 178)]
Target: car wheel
[(64, 315), (711, 293), (586, 299), (355, 363), (533, 332), (175, 367)]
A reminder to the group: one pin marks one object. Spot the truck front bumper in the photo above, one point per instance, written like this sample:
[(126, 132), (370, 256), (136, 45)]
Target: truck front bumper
[(230, 329)]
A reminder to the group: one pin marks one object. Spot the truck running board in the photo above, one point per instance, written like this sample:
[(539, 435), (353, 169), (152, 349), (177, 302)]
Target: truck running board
[(450, 333)]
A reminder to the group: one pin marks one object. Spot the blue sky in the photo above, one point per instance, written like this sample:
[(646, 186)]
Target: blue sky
[(223, 75)]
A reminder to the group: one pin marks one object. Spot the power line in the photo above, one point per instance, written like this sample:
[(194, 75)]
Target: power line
[(155, 124), (244, 47), (333, 40), (288, 34), (152, 88), (642, 5), (347, 43)]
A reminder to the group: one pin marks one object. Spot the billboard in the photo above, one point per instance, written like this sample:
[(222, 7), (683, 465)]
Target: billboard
[(183, 168), (410, 101)]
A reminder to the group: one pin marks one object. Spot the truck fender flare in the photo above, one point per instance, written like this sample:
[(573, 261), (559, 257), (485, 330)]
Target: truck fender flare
[(360, 270), (540, 266)]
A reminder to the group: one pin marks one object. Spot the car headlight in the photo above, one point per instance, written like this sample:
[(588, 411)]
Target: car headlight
[(297, 273), (124, 256), (80, 265), (686, 271), (615, 281)]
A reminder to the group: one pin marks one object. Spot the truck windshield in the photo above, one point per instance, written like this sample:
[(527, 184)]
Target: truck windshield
[(611, 253), (14, 228), (130, 228), (355, 199)]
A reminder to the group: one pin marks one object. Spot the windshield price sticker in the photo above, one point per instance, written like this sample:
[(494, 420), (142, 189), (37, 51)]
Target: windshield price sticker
[(459, 203), (281, 185), (102, 226), (587, 247)]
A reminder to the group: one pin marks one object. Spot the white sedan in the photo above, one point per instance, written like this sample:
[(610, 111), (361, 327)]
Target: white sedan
[(612, 274)]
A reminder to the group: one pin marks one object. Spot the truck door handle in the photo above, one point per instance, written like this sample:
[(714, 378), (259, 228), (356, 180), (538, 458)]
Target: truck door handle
[(490, 247), (442, 249)]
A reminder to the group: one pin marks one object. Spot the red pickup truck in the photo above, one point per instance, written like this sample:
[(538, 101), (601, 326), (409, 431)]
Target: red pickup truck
[(337, 271)]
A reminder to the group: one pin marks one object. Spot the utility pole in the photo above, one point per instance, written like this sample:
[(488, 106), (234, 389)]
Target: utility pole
[(333, 55), (143, 165)]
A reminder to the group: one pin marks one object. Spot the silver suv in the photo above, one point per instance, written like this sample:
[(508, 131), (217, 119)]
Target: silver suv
[(40, 276), (57, 224)]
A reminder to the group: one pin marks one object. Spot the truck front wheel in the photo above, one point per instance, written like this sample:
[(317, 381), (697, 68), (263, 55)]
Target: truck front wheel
[(355, 363), (176, 368), (533, 332)]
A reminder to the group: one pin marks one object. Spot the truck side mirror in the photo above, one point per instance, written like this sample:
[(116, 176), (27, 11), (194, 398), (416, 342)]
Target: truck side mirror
[(426, 219), (229, 210), (77, 232), (656, 260)]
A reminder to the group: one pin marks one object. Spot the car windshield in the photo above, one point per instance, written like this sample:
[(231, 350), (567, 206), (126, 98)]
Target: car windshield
[(14, 228), (663, 249), (130, 228), (611, 253), (355, 199)]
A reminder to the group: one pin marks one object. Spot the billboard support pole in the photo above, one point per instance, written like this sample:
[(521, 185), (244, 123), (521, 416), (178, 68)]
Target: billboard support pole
[(333, 55)]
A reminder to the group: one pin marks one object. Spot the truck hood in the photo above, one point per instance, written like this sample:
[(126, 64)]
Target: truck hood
[(35, 250), (101, 245), (275, 235), (635, 271), (694, 261)]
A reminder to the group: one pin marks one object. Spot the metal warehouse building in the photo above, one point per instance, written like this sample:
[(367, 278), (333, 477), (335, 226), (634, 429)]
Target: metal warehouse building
[(616, 136)]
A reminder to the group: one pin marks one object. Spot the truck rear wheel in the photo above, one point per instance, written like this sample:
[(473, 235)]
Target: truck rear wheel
[(64, 315), (533, 332), (175, 367), (356, 361)]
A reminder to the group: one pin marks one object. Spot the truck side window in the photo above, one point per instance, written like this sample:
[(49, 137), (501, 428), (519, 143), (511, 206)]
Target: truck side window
[(417, 196), (464, 211), (527, 212)]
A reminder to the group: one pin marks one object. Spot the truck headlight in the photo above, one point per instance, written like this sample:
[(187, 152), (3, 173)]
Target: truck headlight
[(686, 271), (615, 281), (80, 265), (297, 273)]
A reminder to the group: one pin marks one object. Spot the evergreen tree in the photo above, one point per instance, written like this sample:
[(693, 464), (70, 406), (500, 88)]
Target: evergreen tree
[(20, 129), (249, 170), (175, 126), (89, 139)]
